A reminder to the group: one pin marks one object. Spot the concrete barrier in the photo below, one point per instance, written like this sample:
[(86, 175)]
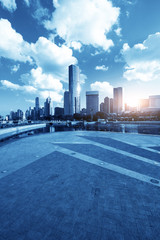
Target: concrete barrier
[(9, 132)]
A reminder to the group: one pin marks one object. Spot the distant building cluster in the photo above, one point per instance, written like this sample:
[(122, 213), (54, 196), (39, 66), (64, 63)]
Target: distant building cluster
[(109, 106), (38, 113), (151, 104), (115, 104)]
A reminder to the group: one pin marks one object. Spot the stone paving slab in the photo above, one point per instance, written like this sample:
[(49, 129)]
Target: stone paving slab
[(115, 158), (56, 196), (126, 147)]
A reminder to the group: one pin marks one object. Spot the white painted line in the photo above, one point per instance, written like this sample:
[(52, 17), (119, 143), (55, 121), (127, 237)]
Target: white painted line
[(151, 150), (71, 143), (109, 166), (146, 147), (112, 149), (137, 157)]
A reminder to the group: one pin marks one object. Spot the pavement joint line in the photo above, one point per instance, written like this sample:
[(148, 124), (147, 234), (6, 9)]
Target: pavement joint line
[(112, 149), (109, 166)]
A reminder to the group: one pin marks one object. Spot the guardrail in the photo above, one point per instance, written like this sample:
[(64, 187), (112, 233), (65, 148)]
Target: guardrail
[(9, 132)]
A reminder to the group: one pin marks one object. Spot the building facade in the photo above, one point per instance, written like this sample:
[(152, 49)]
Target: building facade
[(117, 100), (102, 107), (92, 102), (74, 90), (107, 105), (47, 107), (111, 105), (66, 103), (154, 101), (58, 111)]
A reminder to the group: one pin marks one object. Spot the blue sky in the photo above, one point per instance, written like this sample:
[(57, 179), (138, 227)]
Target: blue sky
[(115, 44)]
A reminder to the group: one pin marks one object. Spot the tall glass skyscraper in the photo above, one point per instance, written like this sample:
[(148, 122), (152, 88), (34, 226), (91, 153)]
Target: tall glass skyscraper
[(37, 103), (74, 90), (118, 100)]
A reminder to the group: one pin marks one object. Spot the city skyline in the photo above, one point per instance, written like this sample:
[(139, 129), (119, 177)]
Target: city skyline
[(117, 48)]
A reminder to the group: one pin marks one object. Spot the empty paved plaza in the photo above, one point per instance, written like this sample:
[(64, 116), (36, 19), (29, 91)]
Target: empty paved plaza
[(80, 185)]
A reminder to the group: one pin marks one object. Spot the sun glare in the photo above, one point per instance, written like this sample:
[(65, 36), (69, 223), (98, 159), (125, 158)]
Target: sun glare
[(132, 102)]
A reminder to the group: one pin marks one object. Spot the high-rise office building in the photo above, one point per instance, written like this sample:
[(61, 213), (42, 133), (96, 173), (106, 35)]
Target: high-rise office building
[(154, 101), (74, 90), (37, 103), (47, 107), (92, 102), (66, 103), (106, 105), (117, 100), (37, 112), (102, 107), (111, 105)]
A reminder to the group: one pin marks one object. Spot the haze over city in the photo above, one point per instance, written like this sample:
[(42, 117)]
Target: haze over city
[(114, 43)]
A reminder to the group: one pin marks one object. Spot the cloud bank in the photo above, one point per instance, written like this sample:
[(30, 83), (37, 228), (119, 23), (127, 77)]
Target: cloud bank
[(142, 60), (86, 21), (10, 5)]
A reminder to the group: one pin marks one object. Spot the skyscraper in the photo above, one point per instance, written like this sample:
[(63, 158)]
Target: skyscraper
[(92, 102), (37, 112), (66, 103), (74, 90), (117, 100), (106, 105), (102, 107), (37, 103), (47, 107)]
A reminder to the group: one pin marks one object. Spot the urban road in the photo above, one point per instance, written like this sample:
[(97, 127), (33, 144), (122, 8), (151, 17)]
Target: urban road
[(80, 185)]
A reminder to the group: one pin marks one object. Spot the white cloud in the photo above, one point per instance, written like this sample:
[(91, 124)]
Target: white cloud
[(52, 58), (76, 45), (41, 13), (96, 53), (13, 86), (12, 45), (118, 31), (55, 3), (142, 60), (27, 2), (15, 68), (104, 88), (10, 5), (89, 25), (139, 46), (30, 101), (82, 78), (102, 68), (56, 97), (44, 81)]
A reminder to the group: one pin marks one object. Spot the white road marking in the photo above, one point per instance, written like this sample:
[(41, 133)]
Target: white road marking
[(109, 166), (137, 157), (142, 146)]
